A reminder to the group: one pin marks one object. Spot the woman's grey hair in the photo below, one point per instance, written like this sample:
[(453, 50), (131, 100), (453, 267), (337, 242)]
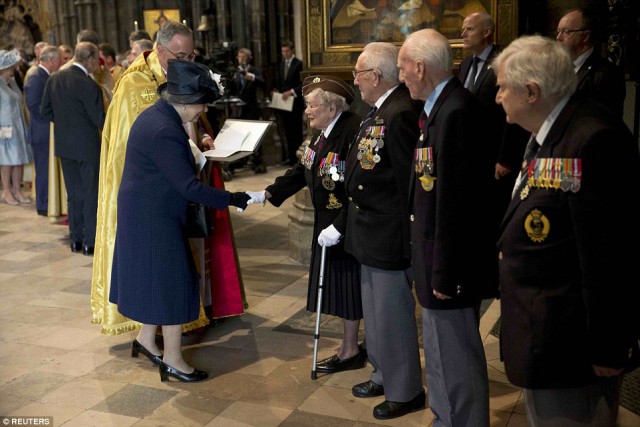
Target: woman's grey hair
[(431, 47), (539, 60), (329, 99), (170, 29), (383, 58)]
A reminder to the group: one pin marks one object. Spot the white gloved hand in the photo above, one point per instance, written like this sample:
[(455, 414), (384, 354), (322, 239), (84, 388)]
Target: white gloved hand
[(329, 236), (256, 197)]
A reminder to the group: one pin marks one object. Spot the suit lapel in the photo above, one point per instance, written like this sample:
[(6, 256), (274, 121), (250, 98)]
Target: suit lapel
[(485, 70)]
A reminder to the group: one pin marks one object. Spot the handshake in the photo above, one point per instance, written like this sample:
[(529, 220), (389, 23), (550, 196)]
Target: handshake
[(242, 199), (330, 236)]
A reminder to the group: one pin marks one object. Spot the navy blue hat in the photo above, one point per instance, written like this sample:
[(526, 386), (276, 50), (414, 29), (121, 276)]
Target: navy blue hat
[(189, 83)]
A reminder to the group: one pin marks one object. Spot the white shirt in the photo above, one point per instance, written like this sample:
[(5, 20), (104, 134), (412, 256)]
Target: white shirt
[(384, 96)]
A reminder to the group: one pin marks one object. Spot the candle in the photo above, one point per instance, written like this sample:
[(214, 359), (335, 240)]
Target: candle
[(135, 25), (184, 21)]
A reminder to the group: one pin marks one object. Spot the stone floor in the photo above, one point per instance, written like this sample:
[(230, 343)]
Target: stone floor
[(55, 363)]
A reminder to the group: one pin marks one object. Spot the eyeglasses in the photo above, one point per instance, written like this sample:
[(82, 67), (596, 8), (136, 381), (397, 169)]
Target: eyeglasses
[(568, 33), (355, 73), (181, 56)]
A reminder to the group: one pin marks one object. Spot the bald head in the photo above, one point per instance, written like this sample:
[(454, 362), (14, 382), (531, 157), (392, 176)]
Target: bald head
[(477, 32)]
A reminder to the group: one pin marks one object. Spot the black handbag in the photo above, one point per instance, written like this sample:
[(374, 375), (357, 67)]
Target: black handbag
[(199, 222)]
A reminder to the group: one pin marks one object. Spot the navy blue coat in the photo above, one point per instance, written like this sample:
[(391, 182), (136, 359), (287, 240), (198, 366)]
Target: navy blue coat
[(38, 132), (154, 278)]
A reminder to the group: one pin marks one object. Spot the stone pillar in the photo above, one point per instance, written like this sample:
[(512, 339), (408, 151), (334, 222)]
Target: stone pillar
[(301, 227)]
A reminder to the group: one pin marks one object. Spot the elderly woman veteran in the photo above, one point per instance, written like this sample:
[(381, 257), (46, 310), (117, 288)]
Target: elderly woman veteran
[(154, 279), (321, 169)]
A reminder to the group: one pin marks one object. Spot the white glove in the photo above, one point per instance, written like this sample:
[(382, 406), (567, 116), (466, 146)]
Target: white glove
[(329, 236), (256, 197)]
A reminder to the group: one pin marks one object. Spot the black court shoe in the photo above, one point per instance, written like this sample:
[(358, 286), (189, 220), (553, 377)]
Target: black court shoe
[(167, 371), (137, 348), (335, 364)]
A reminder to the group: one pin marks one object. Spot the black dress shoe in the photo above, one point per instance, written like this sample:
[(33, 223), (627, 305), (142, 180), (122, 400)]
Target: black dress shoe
[(137, 348), (388, 409), (367, 389), (167, 371), (87, 250), (76, 246), (335, 364), (43, 212)]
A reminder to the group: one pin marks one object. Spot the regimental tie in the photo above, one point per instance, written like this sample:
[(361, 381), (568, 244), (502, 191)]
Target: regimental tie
[(320, 142), (530, 153)]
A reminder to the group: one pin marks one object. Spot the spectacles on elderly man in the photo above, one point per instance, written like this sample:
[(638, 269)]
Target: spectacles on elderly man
[(181, 56), (355, 73), (568, 33)]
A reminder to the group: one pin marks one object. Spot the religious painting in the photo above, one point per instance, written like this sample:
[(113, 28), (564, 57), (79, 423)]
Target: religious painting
[(154, 18), (337, 30), (360, 21)]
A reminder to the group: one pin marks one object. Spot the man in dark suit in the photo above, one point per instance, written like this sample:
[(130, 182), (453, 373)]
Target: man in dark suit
[(289, 83), (453, 230), (568, 244), (73, 101), (377, 232), (248, 80), (39, 126), (597, 77), (506, 142)]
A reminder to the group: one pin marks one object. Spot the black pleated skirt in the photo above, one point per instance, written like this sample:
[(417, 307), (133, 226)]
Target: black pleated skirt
[(341, 295)]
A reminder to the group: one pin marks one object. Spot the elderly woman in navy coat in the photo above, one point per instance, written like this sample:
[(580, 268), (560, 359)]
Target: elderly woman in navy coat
[(154, 279), (321, 169)]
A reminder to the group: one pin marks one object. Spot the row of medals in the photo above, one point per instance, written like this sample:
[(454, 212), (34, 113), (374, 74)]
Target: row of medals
[(553, 173), (369, 146)]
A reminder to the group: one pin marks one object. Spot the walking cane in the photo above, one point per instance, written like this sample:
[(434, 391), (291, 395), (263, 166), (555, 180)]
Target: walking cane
[(316, 336)]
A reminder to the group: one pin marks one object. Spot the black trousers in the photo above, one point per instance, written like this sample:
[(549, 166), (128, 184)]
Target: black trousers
[(81, 180)]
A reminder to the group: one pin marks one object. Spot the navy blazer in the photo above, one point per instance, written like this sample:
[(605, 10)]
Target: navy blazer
[(604, 82), (376, 218), (39, 125), (568, 259), (73, 102), (453, 226)]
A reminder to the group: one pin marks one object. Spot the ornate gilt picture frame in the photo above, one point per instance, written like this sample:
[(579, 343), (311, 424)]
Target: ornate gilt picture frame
[(337, 30)]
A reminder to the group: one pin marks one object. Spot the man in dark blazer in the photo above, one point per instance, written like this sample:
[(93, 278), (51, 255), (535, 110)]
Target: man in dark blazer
[(73, 101), (289, 83), (377, 232), (506, 141), (39, 126), (568, 245), (453, 229), (597, 77)]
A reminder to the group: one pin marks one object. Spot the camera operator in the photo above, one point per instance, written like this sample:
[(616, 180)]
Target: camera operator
[(247, 83)]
